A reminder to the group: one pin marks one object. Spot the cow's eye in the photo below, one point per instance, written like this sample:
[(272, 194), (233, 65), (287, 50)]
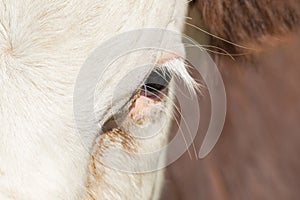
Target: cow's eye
[(155, 87), (156, 83)]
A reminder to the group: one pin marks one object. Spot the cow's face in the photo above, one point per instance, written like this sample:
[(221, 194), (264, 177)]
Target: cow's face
[(42, 48)]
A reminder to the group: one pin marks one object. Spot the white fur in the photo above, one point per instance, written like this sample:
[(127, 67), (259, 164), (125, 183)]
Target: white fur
[(43, 44)]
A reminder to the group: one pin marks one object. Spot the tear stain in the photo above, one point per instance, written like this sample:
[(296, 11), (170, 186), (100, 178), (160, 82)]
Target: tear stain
[(113, 139)]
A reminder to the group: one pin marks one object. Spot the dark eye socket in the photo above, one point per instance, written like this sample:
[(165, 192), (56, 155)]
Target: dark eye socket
[(157, 81)]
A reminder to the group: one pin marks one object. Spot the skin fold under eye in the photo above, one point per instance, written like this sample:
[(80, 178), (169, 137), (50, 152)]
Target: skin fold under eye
[(155, 86)]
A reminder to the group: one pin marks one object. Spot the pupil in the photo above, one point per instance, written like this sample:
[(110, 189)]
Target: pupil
[(157, 81)]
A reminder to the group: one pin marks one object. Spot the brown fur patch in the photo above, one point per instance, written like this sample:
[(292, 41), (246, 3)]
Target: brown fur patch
[(247, 22)]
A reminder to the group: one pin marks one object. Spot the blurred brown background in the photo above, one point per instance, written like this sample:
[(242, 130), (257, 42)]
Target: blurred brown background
[(257, 156)]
